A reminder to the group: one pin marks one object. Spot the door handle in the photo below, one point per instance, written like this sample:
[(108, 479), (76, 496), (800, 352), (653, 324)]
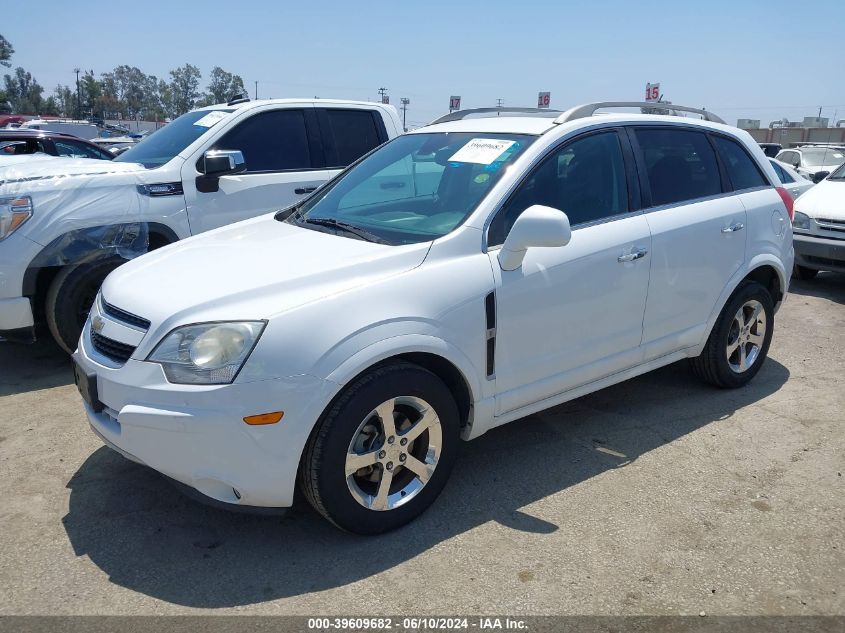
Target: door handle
[(629, 257), (303, 190), (733, 228)]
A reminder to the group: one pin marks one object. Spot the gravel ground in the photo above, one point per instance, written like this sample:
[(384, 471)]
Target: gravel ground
[(657, 496)]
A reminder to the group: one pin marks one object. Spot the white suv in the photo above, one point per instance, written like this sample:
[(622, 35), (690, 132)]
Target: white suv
[(460, 277), (65, 224)]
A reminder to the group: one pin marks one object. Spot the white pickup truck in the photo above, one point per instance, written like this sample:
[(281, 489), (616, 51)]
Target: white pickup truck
[(65, 224)]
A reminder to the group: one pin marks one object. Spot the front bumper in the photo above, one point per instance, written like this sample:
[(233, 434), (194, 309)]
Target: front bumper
[(819, 253), (16, 252), (196, 434)]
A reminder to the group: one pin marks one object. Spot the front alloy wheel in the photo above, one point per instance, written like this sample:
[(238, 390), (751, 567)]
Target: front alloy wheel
[(394, 453), (383, 450)]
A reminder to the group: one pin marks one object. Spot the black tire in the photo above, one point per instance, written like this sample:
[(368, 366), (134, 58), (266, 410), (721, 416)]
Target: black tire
[(70, 297), (322, 474), (803, 273), (712, 364)]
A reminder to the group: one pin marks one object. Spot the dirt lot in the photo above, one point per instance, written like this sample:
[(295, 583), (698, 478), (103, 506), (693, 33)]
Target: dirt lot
[(657, 496)]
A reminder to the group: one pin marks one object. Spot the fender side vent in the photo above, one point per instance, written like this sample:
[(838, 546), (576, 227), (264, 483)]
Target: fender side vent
[(490, 312)]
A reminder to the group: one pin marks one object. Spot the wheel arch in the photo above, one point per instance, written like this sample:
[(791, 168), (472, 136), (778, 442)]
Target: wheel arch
[(75, 247), (439, 357), (764, 269)]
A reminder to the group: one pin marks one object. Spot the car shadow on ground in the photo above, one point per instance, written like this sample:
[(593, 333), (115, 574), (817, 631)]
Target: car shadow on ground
[(825, 286), (148, 538), (39, 365)]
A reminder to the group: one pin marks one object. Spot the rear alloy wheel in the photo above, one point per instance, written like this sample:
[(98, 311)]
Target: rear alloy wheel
[(383, 451), (740, 338)]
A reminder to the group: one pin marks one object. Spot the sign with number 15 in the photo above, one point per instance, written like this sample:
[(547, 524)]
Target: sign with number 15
[(652, 92)]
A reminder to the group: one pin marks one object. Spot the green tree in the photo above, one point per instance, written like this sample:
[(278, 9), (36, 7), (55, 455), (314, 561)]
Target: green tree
[(6, 52), (23, 92), (65, 100), (222, 86), (184, 88)]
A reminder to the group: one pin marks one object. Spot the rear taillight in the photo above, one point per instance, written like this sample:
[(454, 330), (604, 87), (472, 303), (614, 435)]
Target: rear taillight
[(787, 200)]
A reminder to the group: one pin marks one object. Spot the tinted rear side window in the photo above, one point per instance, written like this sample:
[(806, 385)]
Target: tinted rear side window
[(680, 165), (781, 172), (742, 170), (351, 134), (271, 141)]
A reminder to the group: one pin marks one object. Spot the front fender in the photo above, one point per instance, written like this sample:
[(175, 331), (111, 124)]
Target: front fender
[(408, 343)]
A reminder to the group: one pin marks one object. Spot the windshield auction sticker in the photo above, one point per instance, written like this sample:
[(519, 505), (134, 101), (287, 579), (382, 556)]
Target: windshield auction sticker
[(481, 151), (211, 118)]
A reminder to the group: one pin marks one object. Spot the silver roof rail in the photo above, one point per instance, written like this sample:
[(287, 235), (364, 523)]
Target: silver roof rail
[(462, 114), (589, 109)]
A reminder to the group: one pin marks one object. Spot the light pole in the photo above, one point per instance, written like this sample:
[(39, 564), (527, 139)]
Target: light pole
[(405, 101), (78, 98)]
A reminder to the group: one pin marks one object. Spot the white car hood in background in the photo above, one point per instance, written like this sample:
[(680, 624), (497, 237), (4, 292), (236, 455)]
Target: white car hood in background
[(57, 167), (825, 200), (250, 270)]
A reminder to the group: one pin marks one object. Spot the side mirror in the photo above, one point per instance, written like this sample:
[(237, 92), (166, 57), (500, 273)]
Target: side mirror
[(216, 163), (222, 162), (537, 226), (819, 176)]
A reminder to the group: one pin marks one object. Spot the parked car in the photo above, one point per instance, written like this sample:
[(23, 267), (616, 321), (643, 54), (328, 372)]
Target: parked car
[(80, 129), (462, 276), (792, 181), (771, 149), (819, 227), (812, 161), (23, 141), (72, 224)]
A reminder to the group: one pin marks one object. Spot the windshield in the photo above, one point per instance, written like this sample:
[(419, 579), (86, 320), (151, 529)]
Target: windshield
[(817, 157), (163, 144), (415, 188)]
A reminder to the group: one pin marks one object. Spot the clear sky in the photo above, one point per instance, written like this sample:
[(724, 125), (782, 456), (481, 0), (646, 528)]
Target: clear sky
[(730, 56)]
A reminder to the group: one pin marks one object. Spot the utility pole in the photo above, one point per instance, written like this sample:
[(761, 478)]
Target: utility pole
[(383, 94), (499, 104), (78, 98), (405, 101), (256, 91)]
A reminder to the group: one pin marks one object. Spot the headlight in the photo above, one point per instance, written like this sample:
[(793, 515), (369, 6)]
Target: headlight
[(801, 221), (14, 211), (207, 353)]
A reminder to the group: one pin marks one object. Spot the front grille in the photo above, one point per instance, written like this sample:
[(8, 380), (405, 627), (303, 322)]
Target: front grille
[(115, 350), (126, 317)]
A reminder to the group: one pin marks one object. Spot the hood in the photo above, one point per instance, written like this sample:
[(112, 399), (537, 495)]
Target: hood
[(824, 200), (7, 161), (12, 174), (250, 270)]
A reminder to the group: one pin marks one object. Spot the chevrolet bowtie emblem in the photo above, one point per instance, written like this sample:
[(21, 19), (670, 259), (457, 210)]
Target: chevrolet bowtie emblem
[(97, 324)]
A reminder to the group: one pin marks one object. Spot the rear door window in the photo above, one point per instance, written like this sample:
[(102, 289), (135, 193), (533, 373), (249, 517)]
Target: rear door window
[(271, 141), (349, 134), (781, 172), (742, 170), (680, 165)]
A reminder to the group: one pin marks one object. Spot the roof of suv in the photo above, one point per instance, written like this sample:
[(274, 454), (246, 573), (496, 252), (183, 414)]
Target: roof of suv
[(520, 124)]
